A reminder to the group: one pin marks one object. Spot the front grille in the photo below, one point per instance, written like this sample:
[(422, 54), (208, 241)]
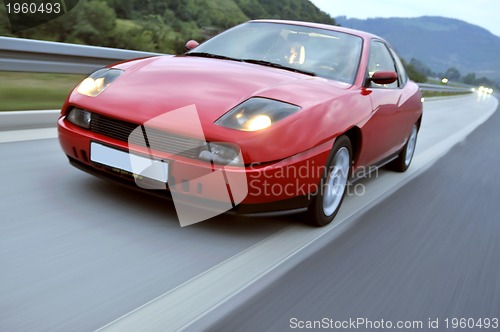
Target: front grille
[(155, 139), (113, 128)]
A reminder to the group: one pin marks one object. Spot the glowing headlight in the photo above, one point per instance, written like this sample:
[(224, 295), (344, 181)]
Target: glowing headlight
[(99, 80), (256, 114)]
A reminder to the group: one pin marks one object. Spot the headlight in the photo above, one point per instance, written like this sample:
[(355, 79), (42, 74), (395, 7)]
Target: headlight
[(99, 80), (256, 114), (220, 153), (79, 117)]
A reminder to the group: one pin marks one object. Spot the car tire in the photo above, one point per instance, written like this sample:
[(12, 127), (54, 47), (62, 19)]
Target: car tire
[(332, 187), (403, 161)]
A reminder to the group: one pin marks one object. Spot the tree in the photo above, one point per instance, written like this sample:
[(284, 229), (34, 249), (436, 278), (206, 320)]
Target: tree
[(414, 73), (123, 8), (486, 82), (421, 67), (452, 74), (95, 24), (469, 79), (5, 29)]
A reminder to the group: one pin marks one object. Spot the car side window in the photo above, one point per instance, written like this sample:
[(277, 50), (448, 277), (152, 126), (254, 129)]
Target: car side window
[(381, 60), (403, 76)]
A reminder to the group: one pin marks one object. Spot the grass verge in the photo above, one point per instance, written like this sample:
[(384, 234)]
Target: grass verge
[(35, 91), (429, 94)]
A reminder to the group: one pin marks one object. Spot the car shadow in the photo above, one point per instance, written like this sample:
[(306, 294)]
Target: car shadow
[(155, 209)]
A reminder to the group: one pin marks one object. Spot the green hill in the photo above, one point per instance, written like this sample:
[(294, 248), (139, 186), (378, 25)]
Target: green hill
[(160, 25)]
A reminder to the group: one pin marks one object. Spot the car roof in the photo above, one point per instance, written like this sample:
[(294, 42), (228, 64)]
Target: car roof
[(359, 33)]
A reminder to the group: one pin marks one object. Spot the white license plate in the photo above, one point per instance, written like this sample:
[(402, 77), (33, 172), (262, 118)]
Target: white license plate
[(146, 167)]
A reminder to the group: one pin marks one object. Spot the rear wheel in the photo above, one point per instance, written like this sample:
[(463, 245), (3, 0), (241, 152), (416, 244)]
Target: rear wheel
[(328, 199), (405, 157)]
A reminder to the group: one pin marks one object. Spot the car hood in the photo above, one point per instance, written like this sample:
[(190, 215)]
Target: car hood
[(152, 87)]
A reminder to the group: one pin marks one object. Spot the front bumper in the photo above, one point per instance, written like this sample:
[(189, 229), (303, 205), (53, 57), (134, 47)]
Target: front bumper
[(282, 186)]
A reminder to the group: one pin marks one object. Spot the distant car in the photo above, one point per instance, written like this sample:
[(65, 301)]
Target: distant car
[(295, 108)]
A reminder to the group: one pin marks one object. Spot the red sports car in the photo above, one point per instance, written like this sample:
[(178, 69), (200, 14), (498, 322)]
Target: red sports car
[(265, 118)]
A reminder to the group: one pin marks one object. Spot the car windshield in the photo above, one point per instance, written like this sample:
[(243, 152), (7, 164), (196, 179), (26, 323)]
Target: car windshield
[(319, 52)]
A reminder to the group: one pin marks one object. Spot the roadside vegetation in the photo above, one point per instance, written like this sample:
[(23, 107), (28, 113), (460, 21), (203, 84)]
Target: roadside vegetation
[(421, 73), (430, 94), (33, 91)]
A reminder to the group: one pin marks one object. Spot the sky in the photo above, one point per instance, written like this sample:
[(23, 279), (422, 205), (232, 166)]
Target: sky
[(484, 13)]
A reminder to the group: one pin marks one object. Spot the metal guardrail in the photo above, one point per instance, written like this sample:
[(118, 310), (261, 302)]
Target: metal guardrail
[(17, 120), (444, 88), (28, 55)]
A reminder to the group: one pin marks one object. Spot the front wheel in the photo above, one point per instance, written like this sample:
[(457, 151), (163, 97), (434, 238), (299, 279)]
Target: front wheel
[(327, 201), (405, 157)]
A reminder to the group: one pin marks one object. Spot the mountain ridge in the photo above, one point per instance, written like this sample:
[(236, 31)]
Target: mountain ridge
[(439, 42)]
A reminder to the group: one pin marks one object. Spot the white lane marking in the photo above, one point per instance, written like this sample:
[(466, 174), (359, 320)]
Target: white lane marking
[(182, 306)]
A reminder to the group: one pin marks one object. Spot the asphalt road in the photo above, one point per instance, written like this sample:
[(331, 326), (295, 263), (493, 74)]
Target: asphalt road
[(429, 251), (78, 253)]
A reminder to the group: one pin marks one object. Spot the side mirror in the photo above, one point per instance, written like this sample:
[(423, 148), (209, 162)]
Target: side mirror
[(384, 77), (191, 44)]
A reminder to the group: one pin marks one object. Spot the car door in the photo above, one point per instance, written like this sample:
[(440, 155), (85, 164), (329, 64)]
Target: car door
[(384, 133)]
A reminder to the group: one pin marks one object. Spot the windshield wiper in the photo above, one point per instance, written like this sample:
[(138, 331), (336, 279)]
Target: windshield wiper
[(210, 55), (258, 62), (277, 65)]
